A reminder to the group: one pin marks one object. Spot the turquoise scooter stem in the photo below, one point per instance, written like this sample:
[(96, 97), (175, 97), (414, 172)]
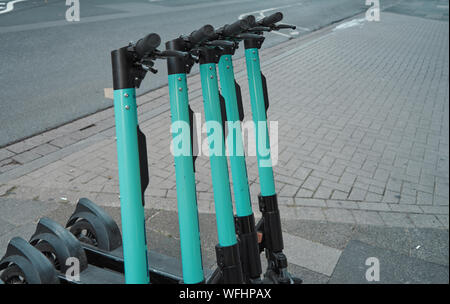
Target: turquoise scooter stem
[(235, 141), (185, 179), (131, 155), (132, 209), (245, 220), (219, 168), (259, 117)]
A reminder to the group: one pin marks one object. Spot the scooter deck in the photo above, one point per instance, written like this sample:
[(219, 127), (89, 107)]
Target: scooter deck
[(163, 269), (97, 275)]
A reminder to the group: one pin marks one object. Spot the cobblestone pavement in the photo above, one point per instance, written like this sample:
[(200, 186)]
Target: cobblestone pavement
[(363, 124)]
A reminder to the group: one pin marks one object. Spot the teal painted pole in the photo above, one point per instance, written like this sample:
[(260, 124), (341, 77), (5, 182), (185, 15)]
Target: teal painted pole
[(132, 209), (237, 156), (185, 178), (219, 168), (259, 117)]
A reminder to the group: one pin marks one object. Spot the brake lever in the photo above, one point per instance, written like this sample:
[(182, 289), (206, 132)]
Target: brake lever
[(172, 53), (284, 26), (194, 55), (149, 69), (147, 62)]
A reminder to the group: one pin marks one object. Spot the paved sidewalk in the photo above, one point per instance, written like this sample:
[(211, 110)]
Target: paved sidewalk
[(363, 139)]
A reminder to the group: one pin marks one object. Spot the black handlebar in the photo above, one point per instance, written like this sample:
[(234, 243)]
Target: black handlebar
[(235, 28), (260, 29), (251, 20), (271, 20), (147, 44), (204, 33), (285, 26), (172, 53)]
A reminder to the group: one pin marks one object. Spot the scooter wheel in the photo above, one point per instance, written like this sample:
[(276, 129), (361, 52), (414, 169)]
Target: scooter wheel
[(47, 250), (84, 232), (13, 275)]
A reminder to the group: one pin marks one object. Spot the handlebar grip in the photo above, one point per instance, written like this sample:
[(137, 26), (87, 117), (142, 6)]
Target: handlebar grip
[(172, 53), (286, 26), (204, 33), (251, 20), (235, 28), (272, 19), (147, 44)]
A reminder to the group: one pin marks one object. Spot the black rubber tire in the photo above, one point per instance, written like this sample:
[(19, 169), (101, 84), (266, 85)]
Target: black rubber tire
[(48, 251), (13, 275), (84, 232)]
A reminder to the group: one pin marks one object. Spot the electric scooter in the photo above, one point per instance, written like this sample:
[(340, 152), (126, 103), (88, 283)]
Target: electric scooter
[(270, 224), (232, 110)]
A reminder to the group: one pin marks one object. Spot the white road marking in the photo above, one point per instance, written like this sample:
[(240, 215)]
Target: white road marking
[(294, 33), (351, 23), (109, 93), (282, 34), (311, 255), (305, 29), (261, 14), (10, 6)]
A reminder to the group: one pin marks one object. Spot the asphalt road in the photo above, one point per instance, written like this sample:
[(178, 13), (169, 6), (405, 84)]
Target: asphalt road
[(54, 71)]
